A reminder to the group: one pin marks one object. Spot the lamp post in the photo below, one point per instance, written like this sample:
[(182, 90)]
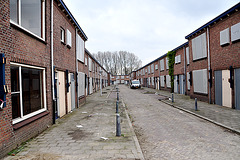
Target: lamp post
[(100, 73)]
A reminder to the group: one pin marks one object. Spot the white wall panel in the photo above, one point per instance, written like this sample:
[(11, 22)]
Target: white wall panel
[(199, 47), (162, 65), (224, 37), (200, 81), (235, 32)]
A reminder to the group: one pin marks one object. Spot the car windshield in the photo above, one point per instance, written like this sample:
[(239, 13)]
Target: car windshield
[(135, 82)]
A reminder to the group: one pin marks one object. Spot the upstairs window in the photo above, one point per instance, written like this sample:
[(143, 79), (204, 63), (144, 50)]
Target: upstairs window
[(162, 65), (199, 47), (29, 15), (69, 38), (62, 35)]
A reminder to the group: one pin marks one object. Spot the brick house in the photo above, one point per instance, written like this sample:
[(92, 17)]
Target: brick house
[(25, 41), (214, 54)]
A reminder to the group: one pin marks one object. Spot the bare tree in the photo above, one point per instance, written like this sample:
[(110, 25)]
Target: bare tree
[(121, 62)]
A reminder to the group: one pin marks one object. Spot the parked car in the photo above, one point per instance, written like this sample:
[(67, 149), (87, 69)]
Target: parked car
[(135, 84)]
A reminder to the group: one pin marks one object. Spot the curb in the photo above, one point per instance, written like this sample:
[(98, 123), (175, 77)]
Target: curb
[(139, 150), (204, 118)]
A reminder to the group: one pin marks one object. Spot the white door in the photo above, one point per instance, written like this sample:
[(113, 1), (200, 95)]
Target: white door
[(226, 90), (69, 98), (61, 93)]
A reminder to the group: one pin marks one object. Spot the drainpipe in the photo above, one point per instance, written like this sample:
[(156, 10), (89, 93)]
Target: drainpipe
[(159, 68), (185, 86), (77, 69), (53, 90), (209, 67)]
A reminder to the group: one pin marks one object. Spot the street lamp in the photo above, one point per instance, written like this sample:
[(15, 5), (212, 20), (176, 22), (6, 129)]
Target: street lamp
[(100, 73)]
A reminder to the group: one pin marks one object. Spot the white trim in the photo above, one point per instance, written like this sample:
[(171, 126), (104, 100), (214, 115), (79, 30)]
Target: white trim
[(17, 25), (22, 118)]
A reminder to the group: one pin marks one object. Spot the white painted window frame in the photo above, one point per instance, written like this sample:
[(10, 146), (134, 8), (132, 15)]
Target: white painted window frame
[(22, 118)]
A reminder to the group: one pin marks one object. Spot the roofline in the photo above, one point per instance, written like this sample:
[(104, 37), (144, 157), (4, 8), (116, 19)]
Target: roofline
[(74, 20), (95, 60), (181, 46), (226, 13)]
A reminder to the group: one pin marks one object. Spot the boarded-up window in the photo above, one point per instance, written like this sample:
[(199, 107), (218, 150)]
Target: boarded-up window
[(224, 37), (235, 32), (148, 69), (162, 81), (188, 81), (167, 67), (199, 47), (90, 64), (69, 38), (85, 61), (81, 84), (162, 65), (178, 59), (152, 68), (200, 81), (156, 67), (168, 81), (187, 55), (80, 48)]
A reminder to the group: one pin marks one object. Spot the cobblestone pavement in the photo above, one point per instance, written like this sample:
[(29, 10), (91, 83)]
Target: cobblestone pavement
[(78, 135), (165, 132)]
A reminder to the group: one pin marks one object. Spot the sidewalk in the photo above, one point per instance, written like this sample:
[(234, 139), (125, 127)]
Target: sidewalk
[(86, 133), (220, 115)]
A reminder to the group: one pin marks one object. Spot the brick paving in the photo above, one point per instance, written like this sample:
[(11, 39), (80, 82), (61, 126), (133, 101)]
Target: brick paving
[(220, 115), (78, 134)]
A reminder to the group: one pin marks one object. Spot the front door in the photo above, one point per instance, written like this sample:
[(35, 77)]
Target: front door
[(61, 93), (72, 86), (237, 88)]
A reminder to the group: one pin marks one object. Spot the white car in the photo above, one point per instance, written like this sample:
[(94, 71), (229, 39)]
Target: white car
[(135, 84)]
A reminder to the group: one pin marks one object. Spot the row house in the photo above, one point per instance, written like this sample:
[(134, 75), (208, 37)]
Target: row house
[(45, 71), (121, 79), (207, 66), (214, 53)]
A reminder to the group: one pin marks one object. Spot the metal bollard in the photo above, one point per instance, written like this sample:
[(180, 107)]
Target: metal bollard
[(117, 106), (172, 98), (118, 127), (196, 104), (118, 96)]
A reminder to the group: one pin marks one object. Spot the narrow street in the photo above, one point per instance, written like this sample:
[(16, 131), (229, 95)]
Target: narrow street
[(168, 133)]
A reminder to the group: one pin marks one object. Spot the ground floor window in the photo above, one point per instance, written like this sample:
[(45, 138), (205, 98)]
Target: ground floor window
[(28, 92)]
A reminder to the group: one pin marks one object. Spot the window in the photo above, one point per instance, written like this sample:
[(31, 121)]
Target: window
[(178, 59), (62, 35), (27, 91), (69, 38), (90, 64), (29, 15), (80, 48), (152, 68), (200, 81), (148, 69), (85, 61), (187, 55), (224, 37), (235, 32), (167, 67), (199, 47), (168, 81), (162, 65), (162, 81), (156, 67), (81, 84)]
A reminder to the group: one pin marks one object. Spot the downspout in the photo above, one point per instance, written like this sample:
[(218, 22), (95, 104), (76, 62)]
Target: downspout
[(185, 86), (77, 70), (209, 67), (53, 89), (159, 68)]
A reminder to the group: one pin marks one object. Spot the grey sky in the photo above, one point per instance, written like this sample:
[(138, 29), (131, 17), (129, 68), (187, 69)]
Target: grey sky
[(148, 28)]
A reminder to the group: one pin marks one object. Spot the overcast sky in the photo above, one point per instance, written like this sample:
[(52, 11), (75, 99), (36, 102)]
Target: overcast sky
[(147, 28)]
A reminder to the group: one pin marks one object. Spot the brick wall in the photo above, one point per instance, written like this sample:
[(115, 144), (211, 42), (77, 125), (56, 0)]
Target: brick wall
[(22, 47)]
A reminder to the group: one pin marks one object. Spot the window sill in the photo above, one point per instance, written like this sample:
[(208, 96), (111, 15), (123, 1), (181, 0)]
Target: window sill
[(199, 59), (29, 120), (27, 32)]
